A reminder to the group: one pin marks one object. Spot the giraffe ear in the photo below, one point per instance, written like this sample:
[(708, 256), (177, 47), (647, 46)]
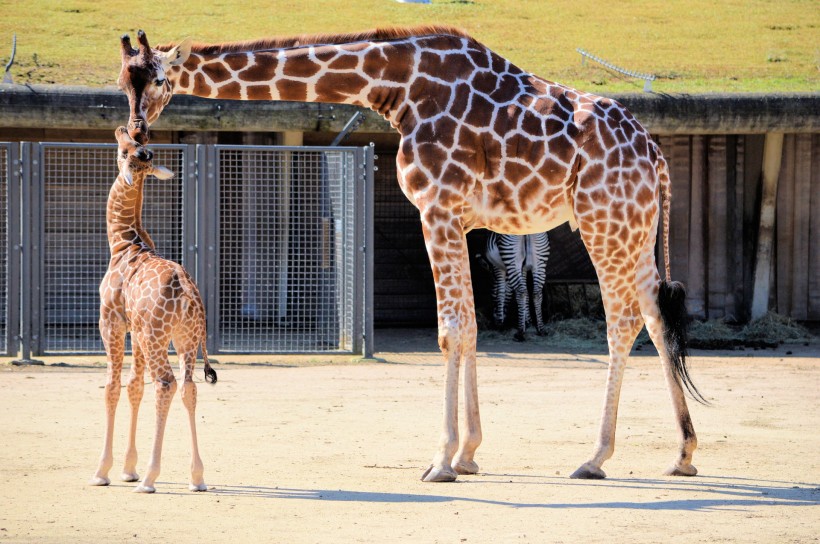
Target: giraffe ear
[(179, 54), (127, 176), (162, 173)]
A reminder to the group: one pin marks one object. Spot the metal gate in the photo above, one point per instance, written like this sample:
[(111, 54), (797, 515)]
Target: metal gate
[(274, 237)]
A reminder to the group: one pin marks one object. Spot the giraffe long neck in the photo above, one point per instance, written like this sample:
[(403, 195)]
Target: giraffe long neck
[(124, 217), (375, 74)]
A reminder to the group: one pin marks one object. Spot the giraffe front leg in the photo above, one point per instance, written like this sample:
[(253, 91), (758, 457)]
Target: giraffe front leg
[(447, 249), (113, 335), (463, 463), (165, 386), (621, 332), (441, 469), (136, 388)]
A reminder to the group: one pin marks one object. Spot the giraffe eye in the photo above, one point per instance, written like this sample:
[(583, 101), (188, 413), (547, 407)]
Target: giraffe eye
[(159, 82)]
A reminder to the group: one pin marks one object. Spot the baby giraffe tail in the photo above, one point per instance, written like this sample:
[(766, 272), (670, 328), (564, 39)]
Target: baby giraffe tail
[(210, 373)]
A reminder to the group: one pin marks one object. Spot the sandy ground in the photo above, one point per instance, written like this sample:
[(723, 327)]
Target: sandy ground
[(299, 450)]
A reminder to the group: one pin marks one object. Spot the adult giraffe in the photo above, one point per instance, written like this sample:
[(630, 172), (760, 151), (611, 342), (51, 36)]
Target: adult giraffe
[(483, 145)]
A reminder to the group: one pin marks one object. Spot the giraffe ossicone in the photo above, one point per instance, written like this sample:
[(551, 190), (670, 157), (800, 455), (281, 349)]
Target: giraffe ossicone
[(157, 302), (483, 144)]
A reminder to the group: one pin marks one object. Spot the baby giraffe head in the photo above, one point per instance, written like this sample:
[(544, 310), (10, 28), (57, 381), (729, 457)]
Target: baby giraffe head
[(135, 160)]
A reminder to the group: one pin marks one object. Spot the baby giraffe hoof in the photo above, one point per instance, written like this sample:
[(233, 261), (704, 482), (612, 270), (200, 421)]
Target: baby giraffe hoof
[(685, 470), (465, 467), (442, 474), (197, 487), (97, 480), (130, 477), (588, 472), (144, 489)]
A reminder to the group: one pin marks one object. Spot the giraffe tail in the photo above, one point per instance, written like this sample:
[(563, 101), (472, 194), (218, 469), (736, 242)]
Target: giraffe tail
[(210, 373), (672, 296), (666, 198)]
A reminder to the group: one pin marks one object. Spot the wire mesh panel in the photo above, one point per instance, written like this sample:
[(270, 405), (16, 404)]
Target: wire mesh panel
[(5, 247), (75, 181), (285, 268)]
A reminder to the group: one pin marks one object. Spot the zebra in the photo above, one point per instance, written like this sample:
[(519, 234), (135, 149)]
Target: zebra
[(511, 257)]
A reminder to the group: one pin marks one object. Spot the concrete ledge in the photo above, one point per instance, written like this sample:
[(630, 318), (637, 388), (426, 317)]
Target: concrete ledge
[(60, 107)]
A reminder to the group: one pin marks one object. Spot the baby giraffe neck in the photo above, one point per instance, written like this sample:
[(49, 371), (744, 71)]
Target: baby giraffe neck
[(124, 217)]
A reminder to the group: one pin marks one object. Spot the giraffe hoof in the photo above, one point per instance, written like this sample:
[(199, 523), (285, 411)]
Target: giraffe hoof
[(442, 474), (197, 487), (465, 467), (588, 472), (129, 477), (100, 481), (144, 489), (685, 470)]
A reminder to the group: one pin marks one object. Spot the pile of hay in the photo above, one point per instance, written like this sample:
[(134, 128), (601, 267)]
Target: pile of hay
[(585, 334)]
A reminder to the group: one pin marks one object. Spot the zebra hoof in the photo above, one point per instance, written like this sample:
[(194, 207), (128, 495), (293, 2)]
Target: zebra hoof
[(519, 337)]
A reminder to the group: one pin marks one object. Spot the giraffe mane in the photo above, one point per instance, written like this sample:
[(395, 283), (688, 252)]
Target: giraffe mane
[(378, 34)]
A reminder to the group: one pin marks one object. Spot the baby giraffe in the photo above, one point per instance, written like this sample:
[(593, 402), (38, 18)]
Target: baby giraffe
[(157, 301)]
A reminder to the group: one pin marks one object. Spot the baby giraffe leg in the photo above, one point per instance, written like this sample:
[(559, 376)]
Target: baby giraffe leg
[(165, 385), (136, 386), (113, 334), (187, 361)]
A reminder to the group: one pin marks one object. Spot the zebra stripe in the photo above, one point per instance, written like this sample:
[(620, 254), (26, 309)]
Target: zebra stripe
[(512, 257)]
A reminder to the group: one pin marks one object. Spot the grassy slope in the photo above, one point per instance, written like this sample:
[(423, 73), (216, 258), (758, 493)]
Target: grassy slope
[(694, 46)]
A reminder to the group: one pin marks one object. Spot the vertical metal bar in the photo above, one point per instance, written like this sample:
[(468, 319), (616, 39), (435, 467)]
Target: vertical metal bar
[(283, 241), (30, 282), (37, 225), (15, 242), (208, 254), (189, 211), (26, 287), (369, 250), (358, 188)]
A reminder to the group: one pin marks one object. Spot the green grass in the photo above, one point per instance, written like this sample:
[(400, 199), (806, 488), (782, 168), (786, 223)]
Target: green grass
[(692, 46)]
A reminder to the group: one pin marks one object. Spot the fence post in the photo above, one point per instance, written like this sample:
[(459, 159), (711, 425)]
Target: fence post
[(357, 328), (189, 214), (29, 250), (772, 155), (207, 197), (369, 249), (14, 171)]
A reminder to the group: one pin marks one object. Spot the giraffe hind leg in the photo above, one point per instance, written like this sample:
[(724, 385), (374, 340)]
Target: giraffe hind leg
[(664, 311), (623, 324)]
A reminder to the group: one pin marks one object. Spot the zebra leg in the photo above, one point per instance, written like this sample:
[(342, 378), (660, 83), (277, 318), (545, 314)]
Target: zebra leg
[(501, 297), (519, 285)]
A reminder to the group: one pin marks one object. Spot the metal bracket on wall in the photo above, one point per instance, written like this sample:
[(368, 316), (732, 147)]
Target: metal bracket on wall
[(352, 125)]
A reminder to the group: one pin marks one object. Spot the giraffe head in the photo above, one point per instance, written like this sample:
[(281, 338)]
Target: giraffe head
[(134, 160), (142, 78)]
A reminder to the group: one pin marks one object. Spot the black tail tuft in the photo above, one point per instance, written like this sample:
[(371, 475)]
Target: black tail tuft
[(210, 374), (672, 304)]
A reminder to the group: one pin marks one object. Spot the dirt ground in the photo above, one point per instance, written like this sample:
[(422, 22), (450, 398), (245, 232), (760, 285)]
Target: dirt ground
[(312, 449)]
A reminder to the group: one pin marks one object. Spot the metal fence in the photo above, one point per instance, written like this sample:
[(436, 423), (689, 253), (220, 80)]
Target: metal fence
[(272, 235), (7, 218)]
